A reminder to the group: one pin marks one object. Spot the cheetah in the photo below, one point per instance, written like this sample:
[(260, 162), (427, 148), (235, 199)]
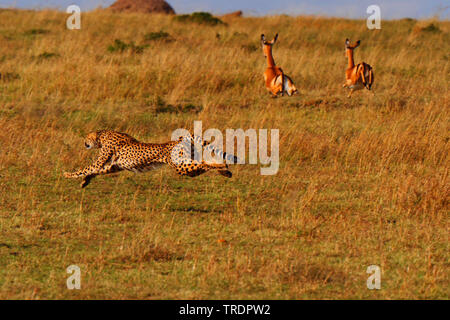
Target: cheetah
[(120, 151)]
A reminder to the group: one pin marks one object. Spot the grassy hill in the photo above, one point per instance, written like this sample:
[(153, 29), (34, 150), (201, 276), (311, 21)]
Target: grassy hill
[(362, 181)]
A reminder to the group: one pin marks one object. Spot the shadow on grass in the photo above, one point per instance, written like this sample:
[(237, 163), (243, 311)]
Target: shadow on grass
[(156, 253)]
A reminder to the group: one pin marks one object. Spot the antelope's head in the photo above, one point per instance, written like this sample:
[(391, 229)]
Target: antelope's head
[(350, 47), (267, 45), (91, 141)]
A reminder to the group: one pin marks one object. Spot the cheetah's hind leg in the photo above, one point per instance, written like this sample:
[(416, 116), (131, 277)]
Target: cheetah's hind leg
[(222, 169)]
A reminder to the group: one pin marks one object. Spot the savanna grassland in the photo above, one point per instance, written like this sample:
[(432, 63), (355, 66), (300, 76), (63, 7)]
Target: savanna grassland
[(362, 181)]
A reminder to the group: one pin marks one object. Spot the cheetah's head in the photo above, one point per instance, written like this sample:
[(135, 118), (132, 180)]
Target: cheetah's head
[(91, 141)]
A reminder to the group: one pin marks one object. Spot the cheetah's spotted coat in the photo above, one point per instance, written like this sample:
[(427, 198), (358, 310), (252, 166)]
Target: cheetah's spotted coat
[(119, 151)]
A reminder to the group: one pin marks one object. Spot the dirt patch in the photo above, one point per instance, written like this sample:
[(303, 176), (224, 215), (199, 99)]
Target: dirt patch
[(144, 6)]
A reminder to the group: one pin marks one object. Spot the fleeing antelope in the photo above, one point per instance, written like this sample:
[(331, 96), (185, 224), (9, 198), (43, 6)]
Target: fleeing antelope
[(359, 76), (276, 81)]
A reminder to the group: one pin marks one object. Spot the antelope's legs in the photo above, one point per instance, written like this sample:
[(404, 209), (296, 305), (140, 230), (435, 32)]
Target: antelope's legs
[(363, 77)]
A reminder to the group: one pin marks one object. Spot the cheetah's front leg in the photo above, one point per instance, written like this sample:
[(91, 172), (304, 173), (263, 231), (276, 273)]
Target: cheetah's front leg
[(88, 171), (111, 168), (105, 170), (86, 180), (92, 169)]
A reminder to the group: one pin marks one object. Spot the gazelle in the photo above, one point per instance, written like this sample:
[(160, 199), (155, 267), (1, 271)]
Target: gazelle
[(276, 81), (359, 76)]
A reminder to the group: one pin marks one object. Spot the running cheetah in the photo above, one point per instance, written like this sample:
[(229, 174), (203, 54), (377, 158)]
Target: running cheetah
[(120, 151)]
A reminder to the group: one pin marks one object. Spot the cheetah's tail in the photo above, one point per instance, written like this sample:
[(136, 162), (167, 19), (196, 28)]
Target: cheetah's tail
[(228, 157)]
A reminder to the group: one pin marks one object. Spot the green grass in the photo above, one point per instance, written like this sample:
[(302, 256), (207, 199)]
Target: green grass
[(157, 36), (362, 181), (203, 18), (120, 46)]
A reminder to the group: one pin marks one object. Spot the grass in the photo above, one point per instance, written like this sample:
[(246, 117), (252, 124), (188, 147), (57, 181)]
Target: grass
[(157, 36), (33, 32), (203, 18), (47, 55), (120, 46), (362, 181)]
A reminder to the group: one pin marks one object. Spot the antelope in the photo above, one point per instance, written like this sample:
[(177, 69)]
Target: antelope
[(276, 81), (359, 76)]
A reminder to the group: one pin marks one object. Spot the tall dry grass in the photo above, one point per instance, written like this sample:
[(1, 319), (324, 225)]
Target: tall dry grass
[(362, 181)]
